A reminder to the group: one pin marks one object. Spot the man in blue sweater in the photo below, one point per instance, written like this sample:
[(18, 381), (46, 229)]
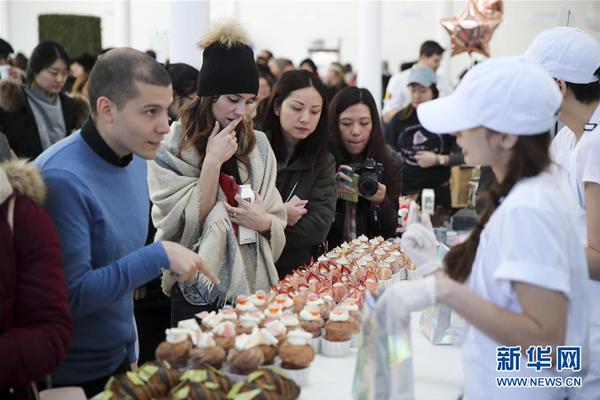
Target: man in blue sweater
[(98, 200)]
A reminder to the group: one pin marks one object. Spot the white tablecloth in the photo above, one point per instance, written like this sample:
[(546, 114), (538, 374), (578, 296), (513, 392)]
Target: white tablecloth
[(437, 372)]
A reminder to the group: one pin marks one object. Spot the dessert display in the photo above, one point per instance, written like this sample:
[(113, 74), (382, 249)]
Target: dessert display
[(152, 380), (265, 384), (315, 308)]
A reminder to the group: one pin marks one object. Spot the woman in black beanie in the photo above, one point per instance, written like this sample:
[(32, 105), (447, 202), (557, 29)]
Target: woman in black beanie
[(193, 182)]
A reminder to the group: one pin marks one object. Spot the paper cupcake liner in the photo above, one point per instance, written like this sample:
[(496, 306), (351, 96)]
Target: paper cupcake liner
[(335, 349), (411, 274), (300, 376), (316, 344), (355, 342)]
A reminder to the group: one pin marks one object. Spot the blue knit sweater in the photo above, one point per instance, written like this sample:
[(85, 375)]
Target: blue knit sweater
[(101, 214)]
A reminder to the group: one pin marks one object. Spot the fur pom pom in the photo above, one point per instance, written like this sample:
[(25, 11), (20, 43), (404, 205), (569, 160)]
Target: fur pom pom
[(227, 32)]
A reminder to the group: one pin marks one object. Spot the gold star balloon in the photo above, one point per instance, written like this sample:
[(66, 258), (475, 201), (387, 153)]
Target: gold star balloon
[(472, 29)]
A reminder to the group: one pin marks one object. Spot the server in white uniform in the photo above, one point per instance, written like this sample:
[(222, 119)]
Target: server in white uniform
[(396, 93), (572, 57), (520, 279)]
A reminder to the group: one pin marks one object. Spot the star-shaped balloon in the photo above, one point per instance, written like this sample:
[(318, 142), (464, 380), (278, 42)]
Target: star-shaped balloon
[(472, 30)]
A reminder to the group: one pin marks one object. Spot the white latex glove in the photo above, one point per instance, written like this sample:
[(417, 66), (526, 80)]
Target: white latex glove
[(421, 246), (394, 306)]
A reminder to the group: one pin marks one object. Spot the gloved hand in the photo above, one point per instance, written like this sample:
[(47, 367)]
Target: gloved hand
[(394, 306), (421, 246)]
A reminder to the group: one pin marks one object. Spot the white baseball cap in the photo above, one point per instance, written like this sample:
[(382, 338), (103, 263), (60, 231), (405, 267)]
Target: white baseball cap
[(508, 94), (567, 53)]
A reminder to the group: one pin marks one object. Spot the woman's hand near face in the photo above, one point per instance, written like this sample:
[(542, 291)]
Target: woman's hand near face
[(222, 145), (379, 196)]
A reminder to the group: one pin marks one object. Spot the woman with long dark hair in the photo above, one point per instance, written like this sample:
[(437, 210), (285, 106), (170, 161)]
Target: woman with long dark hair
[(296, 123), (520, 279), (36, 115), (355, 140), (193, 182)]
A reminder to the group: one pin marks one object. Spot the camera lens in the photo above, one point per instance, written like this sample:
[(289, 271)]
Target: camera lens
[(368, 184)]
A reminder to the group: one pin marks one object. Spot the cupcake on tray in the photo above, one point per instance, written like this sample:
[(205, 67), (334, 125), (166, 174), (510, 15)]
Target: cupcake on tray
[(311, 322), (243, 305), (207, 352), (285, 301), (224, 335), (247, 324), (291, 321), (269, 345), (338, 334), (176, 348), (210, 320), (277, 329), (259, 299), (229, 314), (245, 357), (272, 312), (296, 355), (384, 275)]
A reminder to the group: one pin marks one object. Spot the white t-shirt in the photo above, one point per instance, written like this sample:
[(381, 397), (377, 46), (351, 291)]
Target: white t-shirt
[(577, 164), (530, 238), (396, 93)]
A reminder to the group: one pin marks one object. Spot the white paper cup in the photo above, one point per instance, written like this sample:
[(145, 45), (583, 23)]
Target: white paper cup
[(316, 344), (355, 342), (300, 376), (335, 349)]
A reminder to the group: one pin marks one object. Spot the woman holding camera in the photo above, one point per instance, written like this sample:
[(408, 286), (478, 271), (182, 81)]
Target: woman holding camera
[(194, 181), (296, 123), (357, 144)]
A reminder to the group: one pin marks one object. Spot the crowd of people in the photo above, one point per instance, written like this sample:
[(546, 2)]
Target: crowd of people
[(119, 173)]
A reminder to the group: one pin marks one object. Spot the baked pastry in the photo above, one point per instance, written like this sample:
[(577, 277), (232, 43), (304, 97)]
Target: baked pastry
[(224, 335), (383, 272), (291, 321), (277, 329), (284, 300), (212, 319), (338, 291), (259, 299), (202, 384), (175, 349), (246, 357), (265, 384), (247, 324), (339, 328), (311, 321), (273, 311), (268, 344), (243, 305), (129, 385), (327, 306), (297, 352), (229, 314), (207, 352)]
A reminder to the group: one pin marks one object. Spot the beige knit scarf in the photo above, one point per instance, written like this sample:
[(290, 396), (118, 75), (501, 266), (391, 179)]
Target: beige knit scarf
[(175, 194)]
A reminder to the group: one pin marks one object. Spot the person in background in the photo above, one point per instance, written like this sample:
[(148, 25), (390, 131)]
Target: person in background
[(309, 65), (572, 57), (81, 109), (5, 51), (98, 201), (427, 156), (80, 70), (35, 116), (355, 136), (520, 279), (396, 94), (208, 152), (335, 79), (385, 77), (296, 124), (35, 323), (184, 79), (151, 53), (266, 55), (265, 86), (280, 65)]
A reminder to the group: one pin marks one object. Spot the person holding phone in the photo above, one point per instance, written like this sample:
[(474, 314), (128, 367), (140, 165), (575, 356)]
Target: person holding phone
[(209, 152), (296, 123), (356, 140)]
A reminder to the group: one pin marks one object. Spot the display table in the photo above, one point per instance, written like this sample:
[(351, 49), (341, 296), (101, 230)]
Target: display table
[(437, 372)]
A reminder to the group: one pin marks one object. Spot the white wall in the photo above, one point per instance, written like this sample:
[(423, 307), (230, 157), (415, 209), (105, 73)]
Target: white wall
[(289, 27)]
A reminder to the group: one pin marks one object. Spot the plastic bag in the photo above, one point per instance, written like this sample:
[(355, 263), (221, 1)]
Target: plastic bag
[(384, 362), (441, 325)]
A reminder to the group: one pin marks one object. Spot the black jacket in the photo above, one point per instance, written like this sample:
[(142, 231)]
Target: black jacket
[(317, 185), (18, 123), (371, 220)]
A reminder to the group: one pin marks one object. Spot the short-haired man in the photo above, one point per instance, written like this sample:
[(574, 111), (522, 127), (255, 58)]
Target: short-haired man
[(396, 94), (572, 57), (98, 200)]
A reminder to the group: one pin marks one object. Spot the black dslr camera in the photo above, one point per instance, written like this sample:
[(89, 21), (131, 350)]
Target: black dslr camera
[(370, 174)]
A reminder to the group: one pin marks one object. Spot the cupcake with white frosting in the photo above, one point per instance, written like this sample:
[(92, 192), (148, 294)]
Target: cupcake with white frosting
[(338, 334)]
